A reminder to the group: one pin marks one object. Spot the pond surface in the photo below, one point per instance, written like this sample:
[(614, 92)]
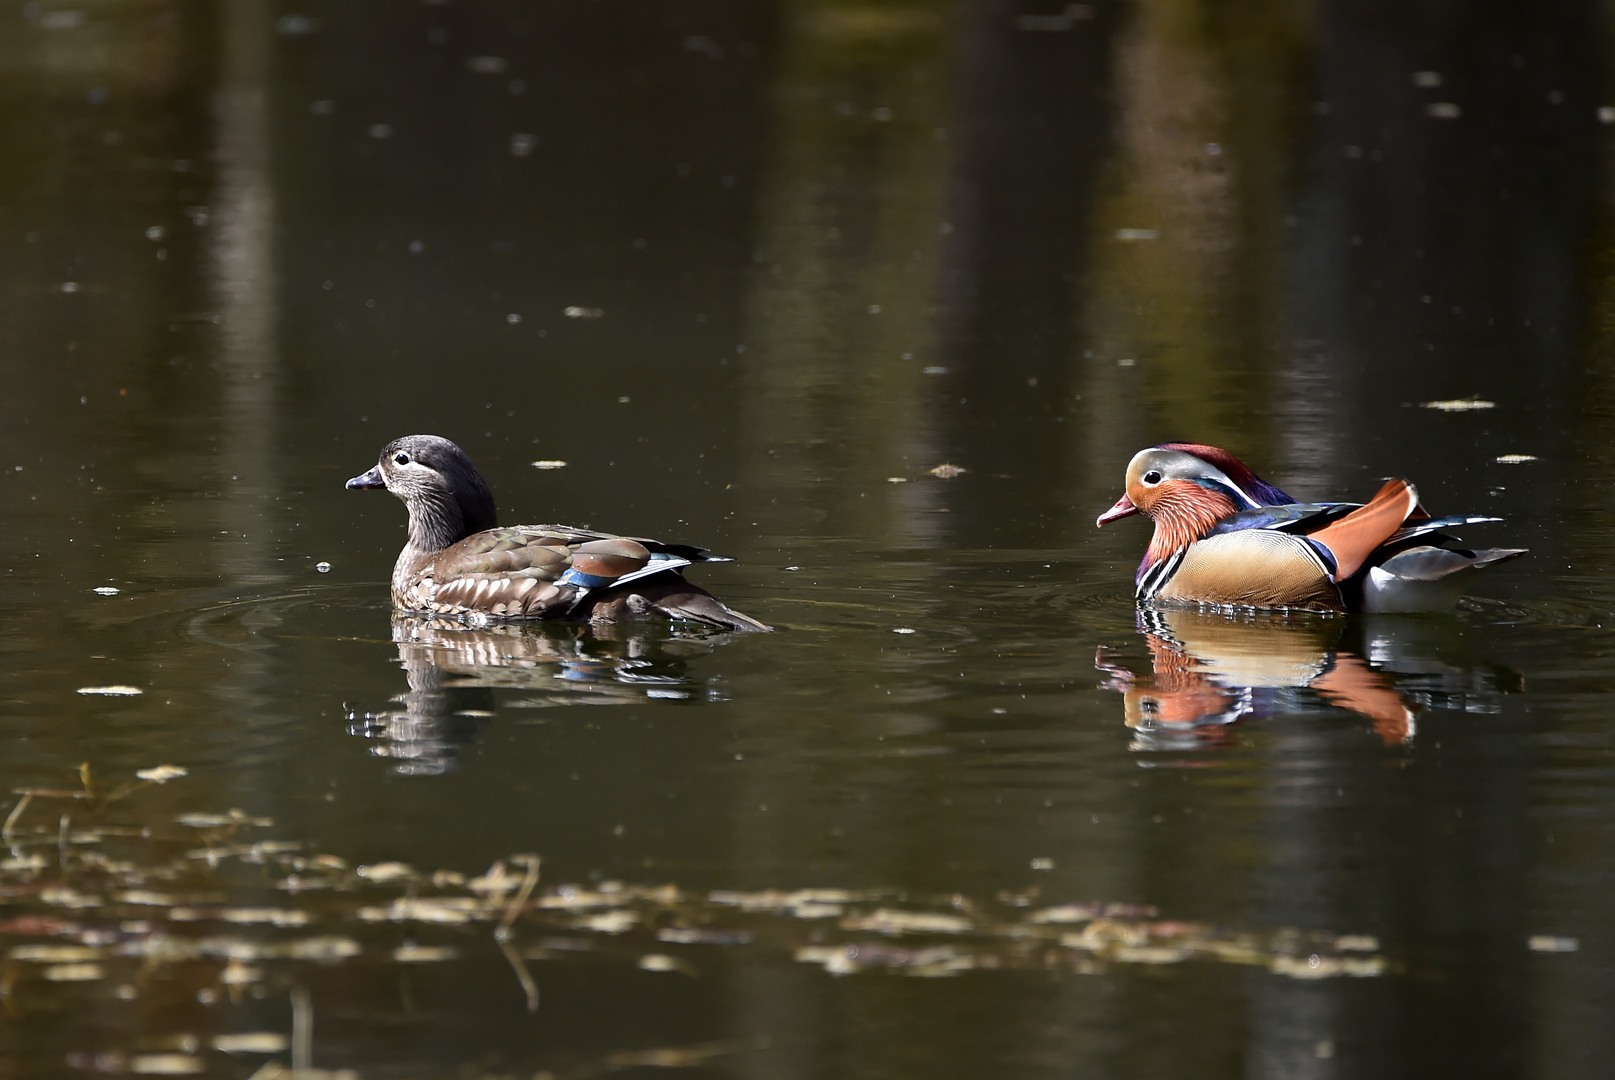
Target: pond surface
[(753, 272)]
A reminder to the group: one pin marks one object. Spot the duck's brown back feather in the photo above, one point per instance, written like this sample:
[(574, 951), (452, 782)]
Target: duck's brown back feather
[(516, 572)]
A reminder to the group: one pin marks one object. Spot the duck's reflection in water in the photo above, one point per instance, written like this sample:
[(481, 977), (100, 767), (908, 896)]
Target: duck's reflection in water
[(455, 669), (1210, 669)]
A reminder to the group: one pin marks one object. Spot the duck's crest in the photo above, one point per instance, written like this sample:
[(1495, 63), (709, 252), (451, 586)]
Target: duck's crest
[(1237, 471)]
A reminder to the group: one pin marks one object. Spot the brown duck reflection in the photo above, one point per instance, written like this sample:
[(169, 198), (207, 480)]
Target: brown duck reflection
[(1210, 669), (454, 670)]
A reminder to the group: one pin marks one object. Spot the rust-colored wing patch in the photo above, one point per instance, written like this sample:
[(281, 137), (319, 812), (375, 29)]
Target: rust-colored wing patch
[(1353, 685), (1355, 537)]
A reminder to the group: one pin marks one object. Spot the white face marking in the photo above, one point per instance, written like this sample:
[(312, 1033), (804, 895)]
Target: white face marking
[(1210, 471), (1177, 465)]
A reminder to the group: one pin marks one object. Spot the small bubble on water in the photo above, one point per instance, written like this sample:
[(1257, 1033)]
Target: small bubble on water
[(105, 590), (323, 567)]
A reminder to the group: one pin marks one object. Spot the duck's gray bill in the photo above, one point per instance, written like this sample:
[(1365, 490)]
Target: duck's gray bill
[(371, 479)]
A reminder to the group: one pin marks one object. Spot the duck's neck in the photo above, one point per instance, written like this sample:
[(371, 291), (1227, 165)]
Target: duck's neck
[(434, 524), (1181, 518)]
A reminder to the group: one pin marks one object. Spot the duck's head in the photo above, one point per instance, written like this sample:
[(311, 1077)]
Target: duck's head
[(1186, 488), (1164, 478), (447, 497)]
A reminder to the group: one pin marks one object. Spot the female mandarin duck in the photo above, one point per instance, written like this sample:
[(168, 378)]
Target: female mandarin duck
[(457, 562), (1223, 535)]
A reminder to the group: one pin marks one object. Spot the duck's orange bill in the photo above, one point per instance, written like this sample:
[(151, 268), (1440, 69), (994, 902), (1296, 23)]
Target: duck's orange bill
[(1124, 508)]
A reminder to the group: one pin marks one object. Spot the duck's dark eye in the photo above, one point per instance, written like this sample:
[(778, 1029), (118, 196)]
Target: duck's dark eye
[(401, 458), (1151, 477)]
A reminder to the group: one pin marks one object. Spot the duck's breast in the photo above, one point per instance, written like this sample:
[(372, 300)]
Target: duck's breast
[(1255, 567)]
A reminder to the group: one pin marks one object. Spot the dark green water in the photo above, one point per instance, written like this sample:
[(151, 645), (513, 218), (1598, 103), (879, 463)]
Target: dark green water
[(810, 251)]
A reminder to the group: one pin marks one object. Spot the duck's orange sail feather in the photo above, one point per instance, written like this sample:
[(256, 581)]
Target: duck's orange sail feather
[(1353, 538)]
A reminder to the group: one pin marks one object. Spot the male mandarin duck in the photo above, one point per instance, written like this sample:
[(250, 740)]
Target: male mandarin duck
[(458, 562), (1223, 535)]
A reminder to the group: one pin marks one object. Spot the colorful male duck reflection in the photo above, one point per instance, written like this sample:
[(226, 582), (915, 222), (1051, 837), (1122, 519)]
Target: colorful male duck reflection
[(1223, 535), (1209, 671)]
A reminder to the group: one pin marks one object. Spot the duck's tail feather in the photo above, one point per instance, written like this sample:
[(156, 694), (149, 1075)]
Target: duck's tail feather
[(701, 606), (1420, 527), (672, 597), (1426, 578)]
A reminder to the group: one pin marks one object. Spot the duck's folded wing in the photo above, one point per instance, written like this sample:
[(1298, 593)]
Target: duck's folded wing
[(497, 551), (502, 572), (530, 594), (558, 571), (571, 534), (1289, 517)]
